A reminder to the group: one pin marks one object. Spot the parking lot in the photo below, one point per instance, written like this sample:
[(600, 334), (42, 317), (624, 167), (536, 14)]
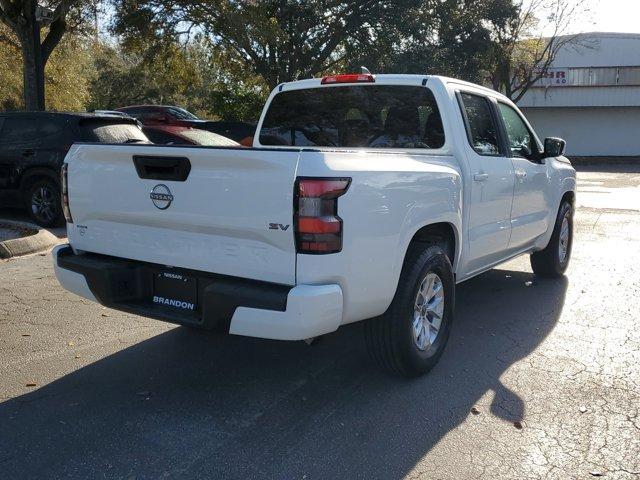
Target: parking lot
[(541, 379)]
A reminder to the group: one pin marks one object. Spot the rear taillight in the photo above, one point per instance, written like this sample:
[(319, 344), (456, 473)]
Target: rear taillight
[(318, 227), (65, 193), (348, 78)]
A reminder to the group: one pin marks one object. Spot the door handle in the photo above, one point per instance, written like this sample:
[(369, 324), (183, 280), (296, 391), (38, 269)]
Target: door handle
[(480, 177), (520, 174)]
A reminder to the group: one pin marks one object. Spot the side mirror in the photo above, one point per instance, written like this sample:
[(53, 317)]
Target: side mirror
[(554, 147)]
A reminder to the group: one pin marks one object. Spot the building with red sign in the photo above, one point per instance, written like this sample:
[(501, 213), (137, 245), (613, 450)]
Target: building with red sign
[(591, 97)]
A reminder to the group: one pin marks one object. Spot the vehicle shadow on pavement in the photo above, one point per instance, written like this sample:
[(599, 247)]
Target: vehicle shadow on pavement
[(197, 405)]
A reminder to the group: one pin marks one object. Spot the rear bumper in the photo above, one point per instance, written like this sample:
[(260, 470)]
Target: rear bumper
[(235, 305)]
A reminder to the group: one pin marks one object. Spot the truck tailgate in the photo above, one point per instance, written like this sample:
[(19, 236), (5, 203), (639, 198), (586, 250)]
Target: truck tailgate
[(217, 219)]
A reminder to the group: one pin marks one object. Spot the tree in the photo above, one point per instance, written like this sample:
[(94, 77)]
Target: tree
[(279, 40), (198, 76), (25, 20), (10, 80), (446, 37), (154, 74), (520, 58), (67, 75)]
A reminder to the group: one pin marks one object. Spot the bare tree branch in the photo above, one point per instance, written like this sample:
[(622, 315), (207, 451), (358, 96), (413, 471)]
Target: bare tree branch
[(523, 59)]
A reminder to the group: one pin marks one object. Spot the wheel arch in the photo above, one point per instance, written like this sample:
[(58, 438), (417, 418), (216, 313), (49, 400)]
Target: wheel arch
[(444, 233), (32, 175), (569, 196)]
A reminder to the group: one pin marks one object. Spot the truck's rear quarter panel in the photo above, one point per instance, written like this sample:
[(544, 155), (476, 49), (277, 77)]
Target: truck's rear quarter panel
[(392, 195)]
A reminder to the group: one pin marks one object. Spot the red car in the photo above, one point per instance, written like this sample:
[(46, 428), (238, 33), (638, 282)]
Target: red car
[(155, 115), (178, 135)]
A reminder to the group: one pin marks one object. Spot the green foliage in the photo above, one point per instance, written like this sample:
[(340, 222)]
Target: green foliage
[(277, 40), (67, 74), (10, 74), (197, 77), (220, 58), (444, 37), (160, 75)]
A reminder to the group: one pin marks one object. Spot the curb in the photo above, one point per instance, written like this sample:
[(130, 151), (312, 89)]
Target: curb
[(37, 242)]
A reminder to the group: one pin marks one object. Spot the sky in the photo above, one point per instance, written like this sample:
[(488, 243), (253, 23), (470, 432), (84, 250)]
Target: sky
[(610, 16)]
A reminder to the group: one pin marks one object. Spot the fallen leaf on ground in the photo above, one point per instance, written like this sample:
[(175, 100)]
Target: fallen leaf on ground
[(26, 334), (518, 425), (71, 344), (475, 411), (31, 384), (596, 474), (105, 314)]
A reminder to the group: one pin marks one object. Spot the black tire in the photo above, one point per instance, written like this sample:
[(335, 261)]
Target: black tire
[(548, 263), (44, 204), (390, 339)]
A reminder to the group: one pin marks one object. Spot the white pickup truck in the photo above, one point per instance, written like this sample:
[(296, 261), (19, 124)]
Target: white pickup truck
[(363, 198)]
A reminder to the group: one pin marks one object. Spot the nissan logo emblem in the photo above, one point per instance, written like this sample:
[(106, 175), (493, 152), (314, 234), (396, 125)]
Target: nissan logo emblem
[(161, 196)]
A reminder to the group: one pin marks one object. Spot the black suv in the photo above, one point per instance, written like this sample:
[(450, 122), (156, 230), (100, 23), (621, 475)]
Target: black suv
[(33, 146)]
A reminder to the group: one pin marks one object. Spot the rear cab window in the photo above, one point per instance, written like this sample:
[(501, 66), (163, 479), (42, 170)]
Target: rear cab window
[(372, 116), (162, 138), (110, 130)]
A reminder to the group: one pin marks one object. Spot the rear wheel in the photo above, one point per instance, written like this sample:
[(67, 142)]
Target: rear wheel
[(409, 338), (44, 203), (553, 261)]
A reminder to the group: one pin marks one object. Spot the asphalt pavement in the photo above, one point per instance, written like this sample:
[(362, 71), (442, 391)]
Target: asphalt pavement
[(541, 379)]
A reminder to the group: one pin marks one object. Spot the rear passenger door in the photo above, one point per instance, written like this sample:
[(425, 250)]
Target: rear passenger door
[(18, 147), (491, 183), (531, 211)]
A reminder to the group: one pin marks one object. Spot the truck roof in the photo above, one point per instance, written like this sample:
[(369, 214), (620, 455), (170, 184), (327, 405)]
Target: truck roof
[(76, 115), (389, 79)]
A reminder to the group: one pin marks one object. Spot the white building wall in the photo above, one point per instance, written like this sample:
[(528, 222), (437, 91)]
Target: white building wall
[(626, 96), (601, 49), (598, 117), (590, 131)]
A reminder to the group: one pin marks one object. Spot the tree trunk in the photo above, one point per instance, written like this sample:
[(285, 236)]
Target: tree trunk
[(32, 68), (29, 76)]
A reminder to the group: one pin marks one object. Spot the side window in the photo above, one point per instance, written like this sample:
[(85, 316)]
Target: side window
[(161, 137), (29, 130), (482, 130), (50, 129), (140, 113), (19, 130), (134, 112), (521, 141)]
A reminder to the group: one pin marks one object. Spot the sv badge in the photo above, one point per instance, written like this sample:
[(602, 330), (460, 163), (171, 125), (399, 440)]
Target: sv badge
[(278, 226)]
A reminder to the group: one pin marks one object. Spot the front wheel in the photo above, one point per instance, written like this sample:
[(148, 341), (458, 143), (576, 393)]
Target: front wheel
[(553, 261), (409, 338)]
